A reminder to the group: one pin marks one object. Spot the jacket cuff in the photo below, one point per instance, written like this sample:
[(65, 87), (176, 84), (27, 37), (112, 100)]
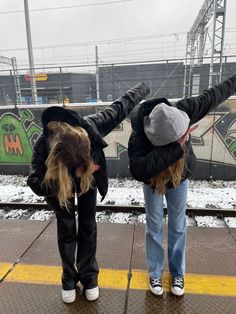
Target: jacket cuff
[(142, 88)]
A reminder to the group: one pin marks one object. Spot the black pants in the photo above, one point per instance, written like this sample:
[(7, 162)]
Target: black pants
[(82, 267)]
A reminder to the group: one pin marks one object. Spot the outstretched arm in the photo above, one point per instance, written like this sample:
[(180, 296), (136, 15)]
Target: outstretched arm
[(143, 165), (198, 107), (108, 119)]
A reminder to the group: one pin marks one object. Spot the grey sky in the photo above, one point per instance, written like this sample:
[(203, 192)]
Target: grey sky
[(102, 23)]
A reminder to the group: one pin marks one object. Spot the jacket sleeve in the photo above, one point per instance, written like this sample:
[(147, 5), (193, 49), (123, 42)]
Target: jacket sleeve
[(38, 168), (146, 163), (198, 107), (108, 119)]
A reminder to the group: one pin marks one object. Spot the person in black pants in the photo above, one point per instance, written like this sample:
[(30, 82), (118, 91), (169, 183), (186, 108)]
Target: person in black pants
[(161, 156), (68, 166)]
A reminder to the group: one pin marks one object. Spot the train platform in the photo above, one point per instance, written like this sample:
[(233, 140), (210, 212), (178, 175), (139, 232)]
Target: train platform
[(30, 271)]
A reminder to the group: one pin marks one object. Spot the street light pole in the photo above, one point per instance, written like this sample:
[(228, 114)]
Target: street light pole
[(30, 53)]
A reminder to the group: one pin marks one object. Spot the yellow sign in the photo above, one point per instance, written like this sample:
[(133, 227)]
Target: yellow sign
[(38, 77), (41, 77)]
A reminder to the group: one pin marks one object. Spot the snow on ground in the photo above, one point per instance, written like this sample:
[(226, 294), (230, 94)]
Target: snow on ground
[(217, 194)]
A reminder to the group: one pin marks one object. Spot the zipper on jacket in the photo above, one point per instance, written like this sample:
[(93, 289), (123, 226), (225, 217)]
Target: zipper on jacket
[(75, 194), (76, 198)]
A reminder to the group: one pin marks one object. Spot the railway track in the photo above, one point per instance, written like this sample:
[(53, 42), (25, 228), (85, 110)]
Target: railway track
[(191, 212)]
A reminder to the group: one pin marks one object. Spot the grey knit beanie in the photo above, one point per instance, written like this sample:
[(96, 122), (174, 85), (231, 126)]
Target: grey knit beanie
[(165, 124)]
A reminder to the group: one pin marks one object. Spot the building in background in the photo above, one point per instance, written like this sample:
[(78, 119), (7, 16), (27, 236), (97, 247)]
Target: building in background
[(51, 88), (165, 79)]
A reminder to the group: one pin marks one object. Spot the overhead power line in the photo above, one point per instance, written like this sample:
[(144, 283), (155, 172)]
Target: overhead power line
[(67, 7), (101, 42)]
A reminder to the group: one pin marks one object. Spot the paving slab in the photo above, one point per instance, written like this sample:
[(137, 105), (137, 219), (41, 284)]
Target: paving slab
[(141, 302), (16, 236), (209, 250), (30, 298)]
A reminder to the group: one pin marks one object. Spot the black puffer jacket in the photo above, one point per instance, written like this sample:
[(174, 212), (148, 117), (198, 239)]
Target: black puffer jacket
[(97, 125), (146, 160)]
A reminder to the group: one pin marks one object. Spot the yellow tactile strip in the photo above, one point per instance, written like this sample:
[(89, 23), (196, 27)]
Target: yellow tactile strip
[(117, 279)]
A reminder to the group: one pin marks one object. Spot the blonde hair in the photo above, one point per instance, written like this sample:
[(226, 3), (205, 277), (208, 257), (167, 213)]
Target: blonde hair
[(69, 149), (172, 174)]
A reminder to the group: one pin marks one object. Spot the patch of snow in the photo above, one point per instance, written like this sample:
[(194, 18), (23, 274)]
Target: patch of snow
[(190, 222), (209, 221), (42, 215), (125, 191), (231, 221)]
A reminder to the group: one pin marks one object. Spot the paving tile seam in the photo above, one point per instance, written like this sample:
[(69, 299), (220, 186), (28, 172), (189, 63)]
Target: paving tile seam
[(130, 272)]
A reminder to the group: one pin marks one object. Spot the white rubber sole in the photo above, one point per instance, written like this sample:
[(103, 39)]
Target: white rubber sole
[(156, 292), (92, 294), (68, 296), (178, 293)]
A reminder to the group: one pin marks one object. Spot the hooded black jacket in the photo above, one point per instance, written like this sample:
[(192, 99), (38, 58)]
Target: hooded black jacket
[(97, 126), (148, 161)]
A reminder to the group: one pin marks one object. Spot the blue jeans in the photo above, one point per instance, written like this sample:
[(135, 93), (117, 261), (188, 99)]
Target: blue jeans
[(176, 199)]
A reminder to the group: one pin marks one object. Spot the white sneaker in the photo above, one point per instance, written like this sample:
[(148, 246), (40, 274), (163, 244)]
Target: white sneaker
[(155, 285), (92, 294), (177, 287), (68, 296)]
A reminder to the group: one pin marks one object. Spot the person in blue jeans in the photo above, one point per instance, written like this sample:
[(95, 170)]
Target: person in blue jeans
[(161, 156)]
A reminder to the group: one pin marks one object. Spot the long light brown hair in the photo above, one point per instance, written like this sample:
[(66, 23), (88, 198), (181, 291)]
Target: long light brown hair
[(172, 174), (69, 149)]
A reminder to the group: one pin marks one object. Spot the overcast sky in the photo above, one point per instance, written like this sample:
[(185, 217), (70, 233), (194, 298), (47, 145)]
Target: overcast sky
[(159, 25)]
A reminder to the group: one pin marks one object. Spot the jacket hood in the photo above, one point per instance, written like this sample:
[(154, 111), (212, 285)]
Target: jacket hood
[(73, 118), (144, 109), (61, 114)]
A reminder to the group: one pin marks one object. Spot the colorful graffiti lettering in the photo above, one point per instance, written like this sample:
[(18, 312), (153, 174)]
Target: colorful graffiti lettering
[(214, 140), (15, 135), (231, 138), (12, 144), (118, 140)]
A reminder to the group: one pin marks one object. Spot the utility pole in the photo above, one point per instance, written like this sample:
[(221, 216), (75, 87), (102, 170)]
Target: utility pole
[(216, 66), (196, 40), (97, 74), (30, 53), (12, 62)]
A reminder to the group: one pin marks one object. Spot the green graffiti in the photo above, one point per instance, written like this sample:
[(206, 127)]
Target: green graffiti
[(231, 137), (120, 149), (15, 146), (232, 147)]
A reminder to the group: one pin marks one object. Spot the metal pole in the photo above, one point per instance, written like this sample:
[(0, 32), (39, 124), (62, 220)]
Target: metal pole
[(213, 47), (222, 42), (13, 94), (97, 74), (16, 81), (61, 88), (30, 53), (185, 92), (112, 79)]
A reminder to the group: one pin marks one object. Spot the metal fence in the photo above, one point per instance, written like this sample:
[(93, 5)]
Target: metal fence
[(106, 82)]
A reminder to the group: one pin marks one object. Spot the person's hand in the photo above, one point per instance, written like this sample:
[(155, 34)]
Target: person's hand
[(79, 170), (95, 168), (185, 137)]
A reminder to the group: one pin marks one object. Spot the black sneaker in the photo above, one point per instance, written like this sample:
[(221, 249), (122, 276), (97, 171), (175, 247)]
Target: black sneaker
[(177, 286), (155, 285)]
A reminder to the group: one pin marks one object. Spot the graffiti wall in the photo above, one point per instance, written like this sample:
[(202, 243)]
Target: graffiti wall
[(214, 142)]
